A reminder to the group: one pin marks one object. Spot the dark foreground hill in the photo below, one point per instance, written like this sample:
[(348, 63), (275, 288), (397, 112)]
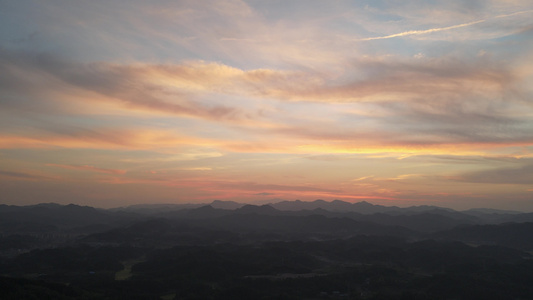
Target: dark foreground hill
[(230, 251)]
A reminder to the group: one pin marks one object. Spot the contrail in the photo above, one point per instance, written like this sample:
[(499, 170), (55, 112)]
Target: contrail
[(419, 32), (514, 14)]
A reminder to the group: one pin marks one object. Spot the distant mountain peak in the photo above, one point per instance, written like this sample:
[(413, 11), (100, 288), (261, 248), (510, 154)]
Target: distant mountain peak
[(318, 201), (204, 208), (364, 204), (263, 209), (337, 201), (222, 204), (336, 205)]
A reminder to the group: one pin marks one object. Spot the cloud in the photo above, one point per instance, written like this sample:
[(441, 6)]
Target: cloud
[(480, 160), (461, 94), (102, 138), (520, 175), (89, 168), (397, 79), (133, 86), (253, 186), (224, 188), (264, 194), (21, 175), (332, 157), (197, 169)]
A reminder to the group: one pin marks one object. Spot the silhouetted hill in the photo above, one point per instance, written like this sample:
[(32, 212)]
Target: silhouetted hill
[(254, 209), (204, 212), (327, 250), (160, 233), (485, 211), (362, 207), (421, 222), (368, 208), (518, 235), (21, 288), (334, 206), (298, 205), (424, 222), (154, 209), (303, 226), (50, 217), (226, 204), (519, 218)]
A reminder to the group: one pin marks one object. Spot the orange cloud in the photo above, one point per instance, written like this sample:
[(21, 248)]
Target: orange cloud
[(291, 142), (103, 139)]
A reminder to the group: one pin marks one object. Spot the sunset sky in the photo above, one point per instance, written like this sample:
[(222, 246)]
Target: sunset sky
[(112, 103)]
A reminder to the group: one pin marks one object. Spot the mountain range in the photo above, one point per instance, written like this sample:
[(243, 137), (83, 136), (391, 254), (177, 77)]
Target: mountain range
[(230, 250), (285, 220)]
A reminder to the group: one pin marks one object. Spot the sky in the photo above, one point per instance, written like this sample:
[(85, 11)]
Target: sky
[(111, 103)]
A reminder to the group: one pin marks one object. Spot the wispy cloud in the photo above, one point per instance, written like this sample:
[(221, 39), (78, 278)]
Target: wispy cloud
[(103, 138), (264, 194), (89, 168), (254, 186), (21, 175), (197, 169), (520, 175)]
